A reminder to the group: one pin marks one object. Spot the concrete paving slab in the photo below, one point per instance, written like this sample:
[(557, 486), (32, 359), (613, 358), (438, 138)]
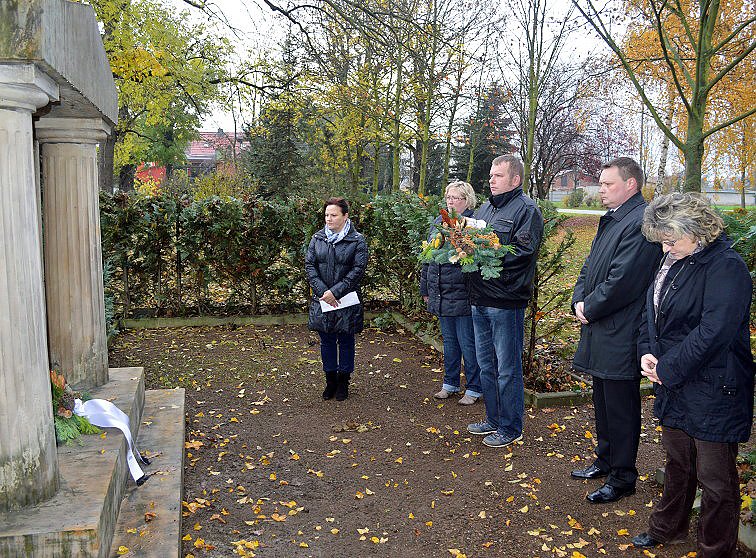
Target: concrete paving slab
[(149, 522)]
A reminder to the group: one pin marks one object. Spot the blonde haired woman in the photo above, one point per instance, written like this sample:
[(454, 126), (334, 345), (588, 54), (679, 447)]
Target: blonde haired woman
[(443, 289)]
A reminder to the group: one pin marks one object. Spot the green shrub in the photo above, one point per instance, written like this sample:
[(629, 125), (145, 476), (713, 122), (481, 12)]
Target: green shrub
[(169, 254), (575, 198), (591, 200), (111, 325), (546, 314), (395, 225), (740, 226), (223, 183)]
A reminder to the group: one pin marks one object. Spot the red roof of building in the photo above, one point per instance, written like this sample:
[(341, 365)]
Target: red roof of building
[(210, 143)]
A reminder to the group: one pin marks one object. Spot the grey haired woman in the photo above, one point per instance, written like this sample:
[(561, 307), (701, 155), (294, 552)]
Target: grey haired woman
[(694, 345)]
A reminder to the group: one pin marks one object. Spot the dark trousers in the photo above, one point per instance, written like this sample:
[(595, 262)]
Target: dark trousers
[(618, 423), (712, 465), (337, 352)]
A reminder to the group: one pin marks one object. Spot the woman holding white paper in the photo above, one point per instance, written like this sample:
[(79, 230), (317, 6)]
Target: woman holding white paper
[(335, 264)]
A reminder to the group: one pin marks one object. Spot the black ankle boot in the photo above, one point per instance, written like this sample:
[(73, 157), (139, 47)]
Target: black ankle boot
[(342, 388), (331, 385)]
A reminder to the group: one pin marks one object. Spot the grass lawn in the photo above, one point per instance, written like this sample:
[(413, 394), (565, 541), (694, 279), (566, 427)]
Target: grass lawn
[(565, 339)]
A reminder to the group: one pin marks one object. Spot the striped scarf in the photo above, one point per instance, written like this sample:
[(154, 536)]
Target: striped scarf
[(334, 237)]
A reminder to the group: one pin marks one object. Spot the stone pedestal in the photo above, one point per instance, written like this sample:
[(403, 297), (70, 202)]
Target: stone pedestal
[(72, 248), (28, 458)]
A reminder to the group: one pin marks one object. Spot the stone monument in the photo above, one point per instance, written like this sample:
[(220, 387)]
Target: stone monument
[(57, 92)]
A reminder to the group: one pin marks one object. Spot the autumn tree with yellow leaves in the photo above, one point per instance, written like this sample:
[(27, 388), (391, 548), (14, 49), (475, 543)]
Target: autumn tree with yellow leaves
[(699, 49), (167, 71)]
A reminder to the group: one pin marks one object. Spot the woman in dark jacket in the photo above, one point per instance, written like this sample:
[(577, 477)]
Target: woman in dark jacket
[(335, 263), (443, 288), (694, 344)]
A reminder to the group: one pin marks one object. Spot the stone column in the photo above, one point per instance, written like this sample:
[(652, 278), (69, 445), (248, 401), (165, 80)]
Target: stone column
[(28, 457), (72, 248)]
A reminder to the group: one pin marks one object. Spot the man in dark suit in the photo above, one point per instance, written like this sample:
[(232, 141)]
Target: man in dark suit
[(608, 300)]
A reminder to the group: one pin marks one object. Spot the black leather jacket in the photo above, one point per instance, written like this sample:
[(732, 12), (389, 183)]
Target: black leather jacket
[(516, 220)]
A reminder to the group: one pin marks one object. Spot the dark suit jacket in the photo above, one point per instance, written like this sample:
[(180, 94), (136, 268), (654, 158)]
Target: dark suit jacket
[(612, 285)]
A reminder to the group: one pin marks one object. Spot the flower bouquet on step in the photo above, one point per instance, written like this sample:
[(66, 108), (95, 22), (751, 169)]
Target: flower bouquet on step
[(68, 425), (474, 249)]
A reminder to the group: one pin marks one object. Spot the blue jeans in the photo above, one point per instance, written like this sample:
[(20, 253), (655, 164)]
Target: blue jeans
[(337, 352), (498, 344), (459, 343)]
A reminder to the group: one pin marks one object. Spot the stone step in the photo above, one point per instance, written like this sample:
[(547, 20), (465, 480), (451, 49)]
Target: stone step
[(80, 519), (149, 522)]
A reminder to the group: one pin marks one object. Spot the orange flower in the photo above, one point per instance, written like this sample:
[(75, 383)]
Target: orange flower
[(57, 379), (65, 413)]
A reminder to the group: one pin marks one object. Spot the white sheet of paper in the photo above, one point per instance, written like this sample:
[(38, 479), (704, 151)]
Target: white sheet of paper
[(349, 299)]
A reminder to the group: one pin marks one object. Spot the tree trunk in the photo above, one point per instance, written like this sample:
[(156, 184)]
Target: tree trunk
[(450, 130), (126, 178), (426, 123), (664, 151), (530, 133), (471, 159), (447, 146), (397, 129), (416, 166), (534, 78), (376, 167), (693, 151), (541, 187), (105, 164), (642, 147), (743, 182)]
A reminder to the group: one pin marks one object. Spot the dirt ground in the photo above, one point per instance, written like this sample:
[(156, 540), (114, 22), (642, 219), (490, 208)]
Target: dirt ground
[(272, 470)]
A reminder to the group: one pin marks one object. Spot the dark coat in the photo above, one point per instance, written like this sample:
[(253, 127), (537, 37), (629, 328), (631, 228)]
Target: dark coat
[(444, 284), (612, 285), (701, 337), (340, 268), (517, 221)]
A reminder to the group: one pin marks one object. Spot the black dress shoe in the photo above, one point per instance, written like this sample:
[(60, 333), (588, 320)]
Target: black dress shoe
[(590, 472), (644, 540), (608, 493)]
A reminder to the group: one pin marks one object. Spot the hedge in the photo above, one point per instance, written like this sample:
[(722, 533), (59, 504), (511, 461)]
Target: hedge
[(170, 255)]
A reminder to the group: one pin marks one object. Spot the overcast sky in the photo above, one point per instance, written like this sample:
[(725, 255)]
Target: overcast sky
[(256, 28)]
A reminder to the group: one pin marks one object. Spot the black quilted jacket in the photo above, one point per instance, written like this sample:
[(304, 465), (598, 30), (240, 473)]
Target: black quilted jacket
[(338, 267)]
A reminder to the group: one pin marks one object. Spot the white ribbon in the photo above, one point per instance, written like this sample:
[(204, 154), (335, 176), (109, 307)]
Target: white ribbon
[(106, 415)]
